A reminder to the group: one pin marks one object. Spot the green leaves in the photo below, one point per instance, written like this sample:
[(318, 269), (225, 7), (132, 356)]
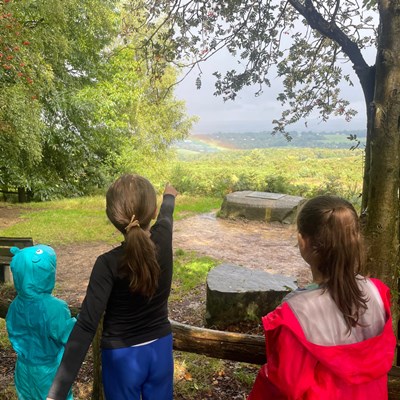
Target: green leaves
[(370, 4), (303, 42), (84, 107)]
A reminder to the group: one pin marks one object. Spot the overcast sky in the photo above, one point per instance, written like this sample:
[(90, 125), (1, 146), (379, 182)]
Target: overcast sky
[(249, 113)]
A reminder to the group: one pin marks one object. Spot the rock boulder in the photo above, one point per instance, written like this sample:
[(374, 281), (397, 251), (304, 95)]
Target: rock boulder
[(261, 206), (236, 294)]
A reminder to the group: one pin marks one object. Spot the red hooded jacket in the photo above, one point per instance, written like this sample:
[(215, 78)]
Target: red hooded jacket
[(298, 369)]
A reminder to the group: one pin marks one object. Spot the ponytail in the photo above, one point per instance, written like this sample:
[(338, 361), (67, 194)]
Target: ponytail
[(131, 203), (332, 226), (139, 262)]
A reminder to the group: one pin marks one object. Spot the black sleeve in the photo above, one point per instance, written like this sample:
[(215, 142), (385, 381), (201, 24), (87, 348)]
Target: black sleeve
[(93, 307), (165, 215)]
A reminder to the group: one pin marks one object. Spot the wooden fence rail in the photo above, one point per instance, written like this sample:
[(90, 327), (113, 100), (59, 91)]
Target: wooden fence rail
[(217, 344)]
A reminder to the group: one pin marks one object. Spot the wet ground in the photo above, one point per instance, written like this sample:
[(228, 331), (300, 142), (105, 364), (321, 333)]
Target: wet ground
[(257, 245), (271, 247)]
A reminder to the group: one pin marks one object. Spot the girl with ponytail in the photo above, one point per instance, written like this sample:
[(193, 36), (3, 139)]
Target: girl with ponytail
[(130, 286), (334, 339)]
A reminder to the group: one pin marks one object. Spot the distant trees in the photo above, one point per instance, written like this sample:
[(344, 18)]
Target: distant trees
[(305, 139), (76, 103)]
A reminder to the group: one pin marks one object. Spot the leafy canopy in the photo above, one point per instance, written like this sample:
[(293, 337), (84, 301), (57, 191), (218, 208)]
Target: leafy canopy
[(76, 104), (304, 42)]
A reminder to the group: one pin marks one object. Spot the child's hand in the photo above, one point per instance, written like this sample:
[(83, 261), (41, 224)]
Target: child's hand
[(169, 189)]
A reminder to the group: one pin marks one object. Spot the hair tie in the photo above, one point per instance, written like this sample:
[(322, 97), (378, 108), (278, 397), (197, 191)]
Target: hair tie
[(134, 222)]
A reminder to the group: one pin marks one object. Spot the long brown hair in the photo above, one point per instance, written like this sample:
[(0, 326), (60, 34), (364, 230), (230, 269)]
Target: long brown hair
[(332, 226), (131, 202)]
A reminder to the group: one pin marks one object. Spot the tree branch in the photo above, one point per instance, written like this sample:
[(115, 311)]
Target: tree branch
[(316, 21)]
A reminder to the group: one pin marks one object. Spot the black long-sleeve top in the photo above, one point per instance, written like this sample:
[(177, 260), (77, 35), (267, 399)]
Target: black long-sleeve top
[(129, 318)]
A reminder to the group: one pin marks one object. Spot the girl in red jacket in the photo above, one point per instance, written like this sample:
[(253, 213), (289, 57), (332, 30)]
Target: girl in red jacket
[(333, 340)]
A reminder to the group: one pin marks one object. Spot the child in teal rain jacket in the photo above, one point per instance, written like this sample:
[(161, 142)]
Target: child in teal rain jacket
[(38, 323)]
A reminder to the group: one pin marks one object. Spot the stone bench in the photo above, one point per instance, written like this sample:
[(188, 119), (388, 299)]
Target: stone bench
[(261, 206), (236, 294)]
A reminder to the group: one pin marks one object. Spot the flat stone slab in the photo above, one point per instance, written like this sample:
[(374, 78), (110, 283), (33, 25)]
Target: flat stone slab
[(261, 206), (236, 294)]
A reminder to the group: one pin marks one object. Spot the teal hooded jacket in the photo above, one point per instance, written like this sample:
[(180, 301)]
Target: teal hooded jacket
[(38, 324)]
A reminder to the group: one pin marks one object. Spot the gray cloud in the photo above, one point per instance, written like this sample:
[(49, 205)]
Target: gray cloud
[(250, 113)]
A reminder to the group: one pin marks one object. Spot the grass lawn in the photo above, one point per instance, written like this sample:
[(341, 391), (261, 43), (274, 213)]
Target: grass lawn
[(84, 219)]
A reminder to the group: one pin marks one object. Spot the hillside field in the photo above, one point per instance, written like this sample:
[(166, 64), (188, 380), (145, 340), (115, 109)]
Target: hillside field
[(296, 171)]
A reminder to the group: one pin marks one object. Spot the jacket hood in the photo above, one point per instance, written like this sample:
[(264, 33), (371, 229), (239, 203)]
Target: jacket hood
[(34, 270), (354, 363), (359, 362)]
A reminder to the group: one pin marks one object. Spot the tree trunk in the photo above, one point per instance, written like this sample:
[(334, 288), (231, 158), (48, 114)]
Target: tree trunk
[(367, 159), (382, 217), (22, 198)]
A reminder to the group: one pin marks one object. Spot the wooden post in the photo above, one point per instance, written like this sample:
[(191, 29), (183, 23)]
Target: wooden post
[(97, 390)]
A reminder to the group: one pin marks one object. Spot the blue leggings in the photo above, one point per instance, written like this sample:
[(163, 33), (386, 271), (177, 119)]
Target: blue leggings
[(146, 371)]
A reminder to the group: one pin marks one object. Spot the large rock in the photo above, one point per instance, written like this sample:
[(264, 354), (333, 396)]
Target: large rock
[(262, 206), (236, 294)]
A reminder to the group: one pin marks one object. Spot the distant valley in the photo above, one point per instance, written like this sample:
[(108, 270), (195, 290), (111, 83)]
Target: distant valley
[(220, 141)]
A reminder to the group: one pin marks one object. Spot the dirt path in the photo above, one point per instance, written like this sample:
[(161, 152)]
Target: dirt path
[(8, 216), (252, 244), (256, 245)]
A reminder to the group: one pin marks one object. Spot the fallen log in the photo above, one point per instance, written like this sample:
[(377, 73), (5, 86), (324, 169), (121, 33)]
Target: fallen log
[(219, 344), (227, 345)]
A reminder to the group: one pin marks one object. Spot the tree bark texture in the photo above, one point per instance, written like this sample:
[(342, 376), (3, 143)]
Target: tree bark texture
[(219, 344), (367, 81), (382, 214)]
